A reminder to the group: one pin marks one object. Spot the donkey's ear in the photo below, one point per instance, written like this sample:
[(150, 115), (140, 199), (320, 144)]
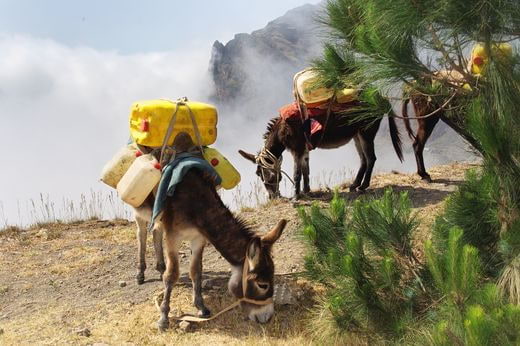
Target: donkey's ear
[(253, 253), (248, 156), (275, 233)]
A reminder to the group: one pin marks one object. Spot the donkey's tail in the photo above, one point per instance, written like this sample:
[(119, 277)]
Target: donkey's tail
[(395, 135), (406, 120)]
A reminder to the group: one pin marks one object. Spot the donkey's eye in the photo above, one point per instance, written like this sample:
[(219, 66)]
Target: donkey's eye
[(263, 286)]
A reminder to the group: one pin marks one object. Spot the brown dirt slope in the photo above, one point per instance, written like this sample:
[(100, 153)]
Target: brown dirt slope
[(56, 280)]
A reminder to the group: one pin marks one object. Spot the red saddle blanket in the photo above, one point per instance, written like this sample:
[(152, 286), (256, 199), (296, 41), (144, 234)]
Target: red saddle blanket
[(292, 111)]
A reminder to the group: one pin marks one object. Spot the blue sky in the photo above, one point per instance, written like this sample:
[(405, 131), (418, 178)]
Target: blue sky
[(131, 26)]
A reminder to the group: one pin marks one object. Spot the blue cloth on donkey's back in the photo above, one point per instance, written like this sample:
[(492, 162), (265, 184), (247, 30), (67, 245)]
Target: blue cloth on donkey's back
[(173, 174)]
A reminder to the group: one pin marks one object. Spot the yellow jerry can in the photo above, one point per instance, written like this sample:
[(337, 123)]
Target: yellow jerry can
[(149, 121), (479, 57), (229, 175), (346, 95)]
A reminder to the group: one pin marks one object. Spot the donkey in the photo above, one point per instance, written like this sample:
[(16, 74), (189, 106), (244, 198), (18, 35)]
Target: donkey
[(428, 113), (197, 214), (425, 125), (288, 134)]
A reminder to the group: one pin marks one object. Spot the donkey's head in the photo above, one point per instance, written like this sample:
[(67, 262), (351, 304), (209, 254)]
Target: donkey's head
[(254, 283), (268, 168)]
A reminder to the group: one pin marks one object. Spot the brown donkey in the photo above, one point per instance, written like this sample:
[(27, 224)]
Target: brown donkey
[(425, 126), (428, 114), (288, 134), (197, 214)]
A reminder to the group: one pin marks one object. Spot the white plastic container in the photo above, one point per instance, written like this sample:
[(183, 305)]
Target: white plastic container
[(118, 165), (141, 178)]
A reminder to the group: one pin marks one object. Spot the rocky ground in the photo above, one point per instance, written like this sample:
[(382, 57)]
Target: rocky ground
[(74, 283)]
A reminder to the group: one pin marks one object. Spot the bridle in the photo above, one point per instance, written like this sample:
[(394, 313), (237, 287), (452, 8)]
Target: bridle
[(268, 161), (245, 271)]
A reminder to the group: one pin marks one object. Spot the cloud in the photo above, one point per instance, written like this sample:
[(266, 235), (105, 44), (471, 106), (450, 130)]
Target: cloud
[(64, 113), (64, 110)]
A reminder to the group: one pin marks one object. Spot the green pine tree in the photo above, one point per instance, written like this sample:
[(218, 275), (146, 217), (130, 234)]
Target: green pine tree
[(382, 45), (376, 290)]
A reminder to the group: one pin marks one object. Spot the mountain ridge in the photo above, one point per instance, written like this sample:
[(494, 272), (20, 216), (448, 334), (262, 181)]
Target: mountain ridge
[(284, 46)]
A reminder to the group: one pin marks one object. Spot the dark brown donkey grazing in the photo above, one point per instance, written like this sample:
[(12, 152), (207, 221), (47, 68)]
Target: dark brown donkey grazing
[(197, 214), (288, 134)]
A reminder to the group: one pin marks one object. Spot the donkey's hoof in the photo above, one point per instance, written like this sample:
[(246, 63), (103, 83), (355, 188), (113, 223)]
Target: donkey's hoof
[(427, 178), (352, 188), (297, 196), (362, 188), (140, 278), (204, 313), (160, 267), (163, 324)]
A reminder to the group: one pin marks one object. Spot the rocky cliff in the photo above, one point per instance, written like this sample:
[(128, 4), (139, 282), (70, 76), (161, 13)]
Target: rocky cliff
[(263, 62)]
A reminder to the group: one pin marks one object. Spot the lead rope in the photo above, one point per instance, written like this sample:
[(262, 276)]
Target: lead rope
[(193, 318)]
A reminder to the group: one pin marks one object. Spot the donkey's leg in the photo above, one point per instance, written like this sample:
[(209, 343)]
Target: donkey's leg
[(297, 175), (141, 248), (159, 253), (171, 275), (367, 144), (424, 131), (197, 248), (306, 172), (362, 169)]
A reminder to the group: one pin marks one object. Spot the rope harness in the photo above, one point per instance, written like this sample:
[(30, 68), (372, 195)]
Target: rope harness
[(180, 102), (193, 318), (268, 161)]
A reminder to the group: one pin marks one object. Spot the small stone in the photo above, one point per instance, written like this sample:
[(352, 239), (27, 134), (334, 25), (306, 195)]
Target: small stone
[(1, 331), (83, 332), (208, 283), (43, 233), (283, 295), (185, 326), (122, 283)]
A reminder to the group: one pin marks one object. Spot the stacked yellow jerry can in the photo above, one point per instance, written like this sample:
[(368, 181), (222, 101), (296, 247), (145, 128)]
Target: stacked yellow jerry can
[(477, 63), (135, 174), (149, 121)]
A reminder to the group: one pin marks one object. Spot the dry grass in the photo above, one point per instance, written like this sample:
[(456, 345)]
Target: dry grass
[(125, 324), (45, 211)]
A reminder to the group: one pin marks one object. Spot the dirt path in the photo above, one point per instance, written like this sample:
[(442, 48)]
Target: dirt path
[(58, 280)]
